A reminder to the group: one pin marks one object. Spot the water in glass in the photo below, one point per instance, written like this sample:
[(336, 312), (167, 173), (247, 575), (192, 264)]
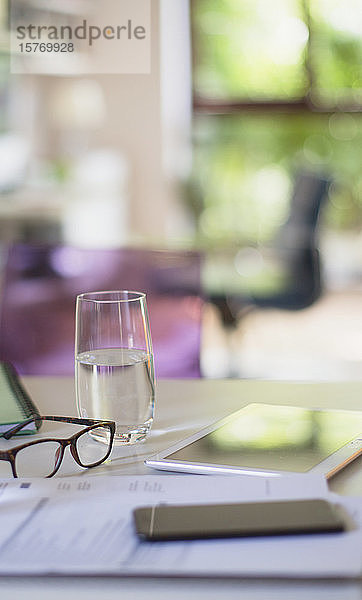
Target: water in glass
[(117, 384)]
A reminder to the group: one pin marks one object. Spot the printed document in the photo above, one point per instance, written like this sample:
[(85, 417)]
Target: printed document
[(84, 525)]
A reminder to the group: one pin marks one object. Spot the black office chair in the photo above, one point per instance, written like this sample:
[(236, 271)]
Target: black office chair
[(295, 251)]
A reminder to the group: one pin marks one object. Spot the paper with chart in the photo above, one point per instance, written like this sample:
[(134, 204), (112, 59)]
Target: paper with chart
[(83, 525)]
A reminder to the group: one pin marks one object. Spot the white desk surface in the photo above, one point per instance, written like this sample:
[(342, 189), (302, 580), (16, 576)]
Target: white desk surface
[(183, 407)]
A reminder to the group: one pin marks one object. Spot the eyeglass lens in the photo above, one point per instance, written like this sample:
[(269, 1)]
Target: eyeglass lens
[(93, 446), (37, 460)]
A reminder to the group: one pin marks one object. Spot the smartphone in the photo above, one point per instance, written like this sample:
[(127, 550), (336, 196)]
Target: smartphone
[(184, 522)]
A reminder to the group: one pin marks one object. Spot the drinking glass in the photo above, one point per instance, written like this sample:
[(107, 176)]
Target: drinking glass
[(114, 368)]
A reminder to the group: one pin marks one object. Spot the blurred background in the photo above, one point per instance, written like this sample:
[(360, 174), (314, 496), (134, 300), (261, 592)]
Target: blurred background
[(244, 143)]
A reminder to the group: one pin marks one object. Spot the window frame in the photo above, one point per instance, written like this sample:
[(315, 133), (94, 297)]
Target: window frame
[(305, 103)]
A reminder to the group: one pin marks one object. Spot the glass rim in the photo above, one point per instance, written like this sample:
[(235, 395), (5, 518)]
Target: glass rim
[(132, 296)]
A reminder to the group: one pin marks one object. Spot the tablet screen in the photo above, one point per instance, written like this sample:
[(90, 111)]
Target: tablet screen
[(276, 438)]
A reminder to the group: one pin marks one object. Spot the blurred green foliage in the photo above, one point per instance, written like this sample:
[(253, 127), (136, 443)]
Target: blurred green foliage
[(336, 50), (245, 163), (249, 48), (244, 167), (262, 49)]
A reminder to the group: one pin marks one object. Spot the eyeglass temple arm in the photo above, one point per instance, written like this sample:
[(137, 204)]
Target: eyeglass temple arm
[(13, 430), (78, 421)]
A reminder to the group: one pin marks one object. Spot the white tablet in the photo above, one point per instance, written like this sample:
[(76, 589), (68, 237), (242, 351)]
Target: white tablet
[(267, 439)]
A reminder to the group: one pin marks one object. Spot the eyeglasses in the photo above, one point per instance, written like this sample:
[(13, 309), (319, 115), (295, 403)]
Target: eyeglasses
[(43, 457)]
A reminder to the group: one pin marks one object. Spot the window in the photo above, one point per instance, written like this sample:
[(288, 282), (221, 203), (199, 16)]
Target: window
[(277, 88)]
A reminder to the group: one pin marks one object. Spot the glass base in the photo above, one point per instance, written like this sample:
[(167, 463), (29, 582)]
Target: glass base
[(127, 435), (130, 437)]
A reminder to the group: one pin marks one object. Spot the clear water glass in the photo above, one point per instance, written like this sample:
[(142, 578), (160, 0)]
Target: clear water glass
[(114, 367)]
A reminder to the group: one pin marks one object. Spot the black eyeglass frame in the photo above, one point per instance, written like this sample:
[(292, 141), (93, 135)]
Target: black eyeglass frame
[(10, 455)]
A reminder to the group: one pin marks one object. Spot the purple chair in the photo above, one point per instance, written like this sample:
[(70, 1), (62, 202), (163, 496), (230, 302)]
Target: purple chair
[(40, 284)]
